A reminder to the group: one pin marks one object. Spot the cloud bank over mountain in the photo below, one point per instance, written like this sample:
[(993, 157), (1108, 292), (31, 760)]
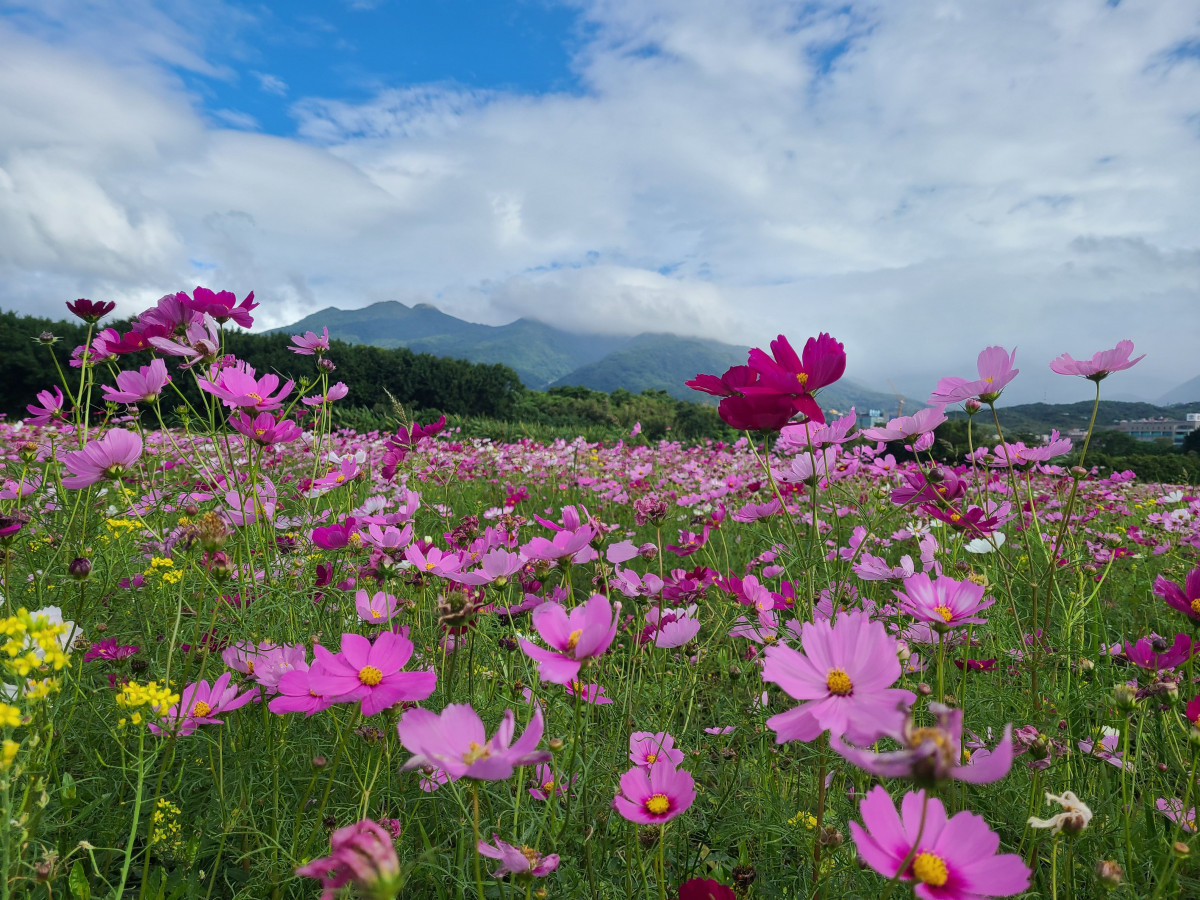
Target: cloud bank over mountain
[(921, 180)]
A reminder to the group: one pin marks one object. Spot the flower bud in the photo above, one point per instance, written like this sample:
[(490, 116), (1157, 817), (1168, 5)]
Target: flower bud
[(80, 568), (924, 690), (1124, 698), (1109, 873), (555, 745), (1078, 472), (903, 651), (972, 406), (325, 365), (319, 762), (1180, 849), (47, 338)]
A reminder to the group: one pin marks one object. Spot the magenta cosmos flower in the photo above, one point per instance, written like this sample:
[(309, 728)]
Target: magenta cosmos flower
[(1102, 364), (787, 373), (107, 457), (656, 795), (1155, 655), (954, 859), (583, 633), (309, 343), (142, 386), (932, 754), (944, 603), (844, 679), (521, 862), (221, 305), (995, 366), (370, 672), (238, 387), (265, 428), (456, 743), (1185, 599), (50, 408), (363, 855), (200, 704), (91, 311)]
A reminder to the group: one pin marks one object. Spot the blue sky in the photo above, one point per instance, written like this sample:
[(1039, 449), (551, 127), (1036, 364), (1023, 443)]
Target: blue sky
[(350, 51), (922, 180)]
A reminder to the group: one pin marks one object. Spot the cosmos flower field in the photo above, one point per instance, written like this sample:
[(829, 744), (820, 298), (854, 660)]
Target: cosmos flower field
[(255, 656)]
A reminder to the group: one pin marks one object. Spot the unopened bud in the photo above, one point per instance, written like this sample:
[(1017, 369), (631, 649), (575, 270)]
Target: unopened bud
[(1078, 472), (1180, 849), (1110, 873), (903, 651), (1124, 698), (935, 476), (325, 365), (319, 762), (924, 690), (555, 745), (47, 338), (80, 568)]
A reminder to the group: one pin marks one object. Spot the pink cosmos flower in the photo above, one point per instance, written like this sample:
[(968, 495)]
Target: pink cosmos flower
[(389, 538), (805, 435), (266, 663), (364, 856), (670, 628), (456, 743), (142, 386), (221, 305), (570, 545), (843, 679), (107, 457), (433, 561), (1173, 810), (377, 608), (649, 749), (583, 633), (588, 693), (1185, 599), (50, 408), (495, 568), (238, 387), (996, 370), (1108, 748), (546, 783), (933, 754), (200, 704), (265, 428), (249, 507), (944, 603), (955, 857), (109, 649), (705, 889), (370, 672), (655, 795), (521, 862), (201, 342), (335, 392), (309, 343), (920, 422), (295, 695), (1102, 364)]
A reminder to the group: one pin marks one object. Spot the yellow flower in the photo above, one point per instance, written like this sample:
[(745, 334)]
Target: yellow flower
[(8, 752), (9, 715), (805, 818)]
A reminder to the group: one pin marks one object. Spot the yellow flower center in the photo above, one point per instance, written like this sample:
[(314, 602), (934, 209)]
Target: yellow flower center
[(530, 854), (430, 565), (930, 869), (573, 639), (955, 517), (802, 379), (370, 676), (548, 786), (944, 612), (201, 710), (340, 478), (255, 396), (651, 758), (838, 682), (989, 379), (376, 614), (249, 667), (260, 431), (1196, 606), (658, 805), (475, 753)]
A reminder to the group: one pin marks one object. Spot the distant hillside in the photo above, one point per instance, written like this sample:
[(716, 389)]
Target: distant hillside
[(1188, 392), (657, 361), (537, 352), (1041, 418)]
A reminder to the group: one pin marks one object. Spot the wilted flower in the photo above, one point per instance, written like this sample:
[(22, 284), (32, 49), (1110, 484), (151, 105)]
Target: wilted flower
[(1074, 817)]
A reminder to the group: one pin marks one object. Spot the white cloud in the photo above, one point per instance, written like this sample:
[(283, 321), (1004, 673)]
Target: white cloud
[(922, 180), (271, 84)]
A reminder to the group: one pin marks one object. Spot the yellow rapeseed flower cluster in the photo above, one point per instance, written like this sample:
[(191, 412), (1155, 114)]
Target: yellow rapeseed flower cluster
[(165, 833), (8, 753), (164, 568), (805, 818), (30, 642), (133, 696)]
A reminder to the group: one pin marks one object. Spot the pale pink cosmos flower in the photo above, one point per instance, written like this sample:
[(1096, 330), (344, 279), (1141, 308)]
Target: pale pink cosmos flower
[(202, 342), (943, 603), (142, 386), (576, 636), (239, 387), (495, 567), (377, 608), (107, 457), (995, 366), (309, 343), (671, 627), (546, 783), (49, 410), (648, 749), (843, 679), (335, 392), (920, 422), (455, 742), (521, 862), (1102, 364), (949, 858)]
